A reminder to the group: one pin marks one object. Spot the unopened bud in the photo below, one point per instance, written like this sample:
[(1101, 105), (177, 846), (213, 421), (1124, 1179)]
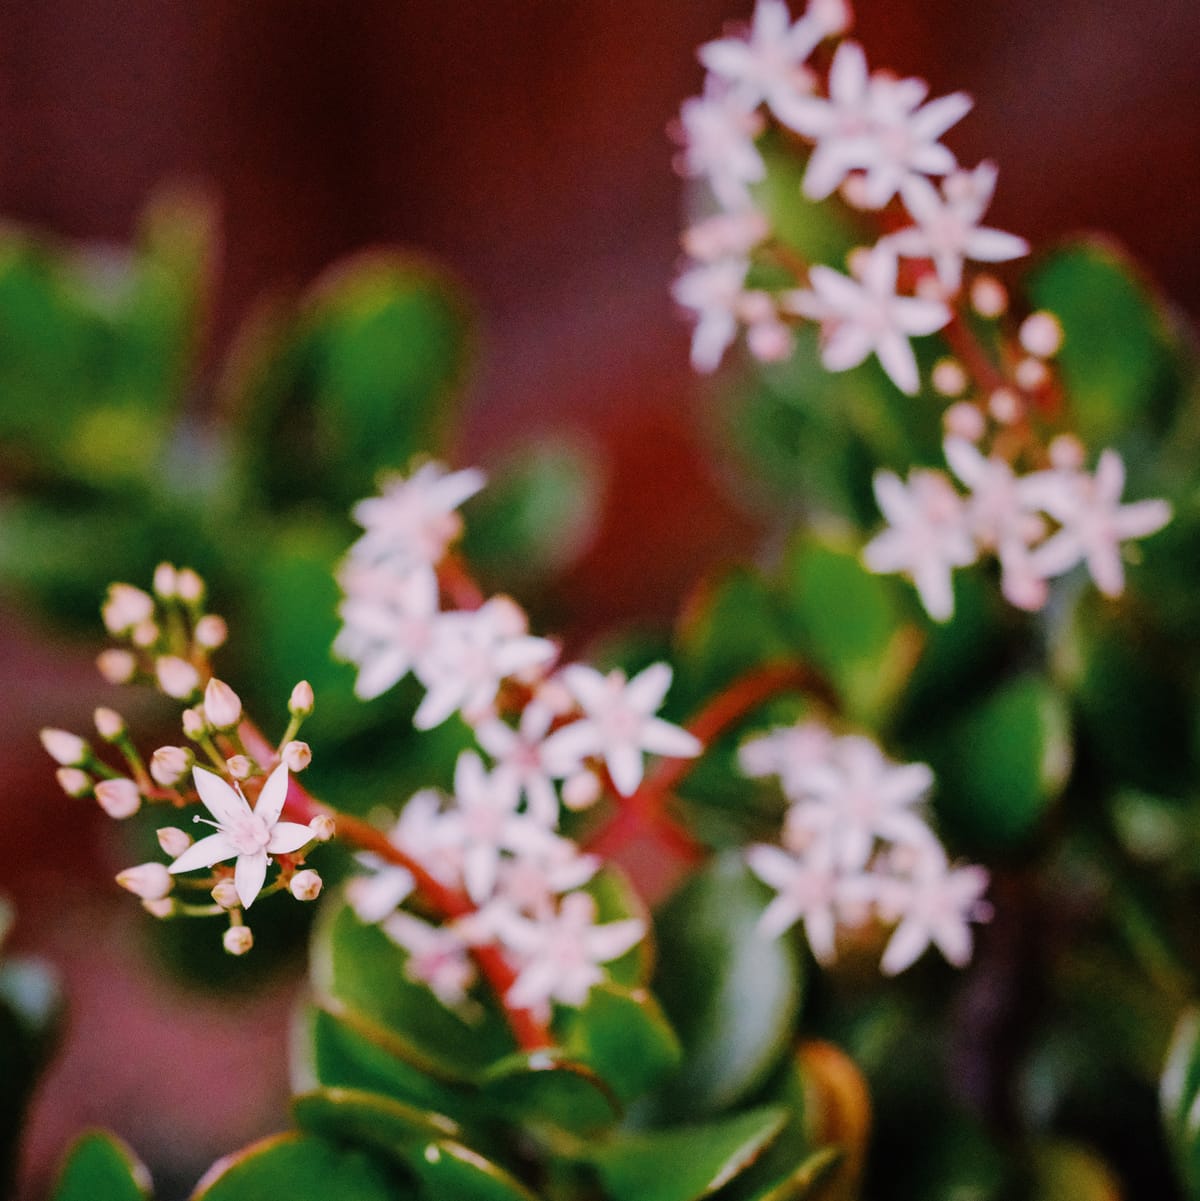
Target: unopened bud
[(165, 578), (169, 764), (150, 881), (174, 841), (1041, 334), (964, 420), (238, 940), (145, 634), (65, 748), (1004, 405), (989, 297), (239, 767), (949, 378), (305, 885), (323, 827), (211, 632), (222, 706), (297, 755), (1032, 375), (300, 704), (177, 677), (110, 725), (163, 907), (189, 587), (74, 782), (119, 798), (1067, 453), (225, 894), (125, 607), (116, 666), (581, 790), (194, 725)]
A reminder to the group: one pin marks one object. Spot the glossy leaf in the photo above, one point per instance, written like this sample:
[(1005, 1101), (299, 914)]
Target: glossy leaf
[(549, 1092), (367, 1119), (448, 1171), (100, 1167), (731, 994)]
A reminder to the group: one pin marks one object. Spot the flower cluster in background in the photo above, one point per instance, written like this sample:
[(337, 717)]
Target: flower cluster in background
[(855, 848), (875, 140)]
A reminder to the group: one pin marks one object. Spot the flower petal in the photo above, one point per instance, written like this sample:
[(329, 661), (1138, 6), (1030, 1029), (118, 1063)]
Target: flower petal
[(274, 792), (204, 853), (225, 803), (248, 876)]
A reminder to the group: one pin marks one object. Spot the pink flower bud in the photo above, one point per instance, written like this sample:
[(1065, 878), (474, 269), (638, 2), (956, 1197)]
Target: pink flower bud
[(150, 881), (118, 798), (989, 297), (240, 767), (225, 894), (65, 748), (126, 607), (74, 782), (116, 666), (1041, 334), (189, 587), (1004, 405), (306, 885), (144, 634), (1032, 375), (1067, 453), (222, 706), (297, 755), (323, 827), (949, 378), (163, 907), (165, 581), (174, 841), (211, 632), (238, 940), (581, 790), (832, 17), (177, 677), (194, 725), (964, 420), (169, 764), (301, 701), (110, 725)]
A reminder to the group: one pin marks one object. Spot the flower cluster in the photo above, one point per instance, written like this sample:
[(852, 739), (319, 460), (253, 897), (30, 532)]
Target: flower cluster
[(169, 638), (875, 139), (855, 848)]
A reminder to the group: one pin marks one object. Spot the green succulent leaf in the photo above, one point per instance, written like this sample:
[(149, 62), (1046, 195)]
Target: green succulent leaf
[(448, 1171), (369, 1120), (100, 1167), (1179, 1099), (550, 1093)]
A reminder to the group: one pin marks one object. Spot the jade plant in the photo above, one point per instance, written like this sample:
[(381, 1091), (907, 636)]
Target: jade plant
[(918, 786)]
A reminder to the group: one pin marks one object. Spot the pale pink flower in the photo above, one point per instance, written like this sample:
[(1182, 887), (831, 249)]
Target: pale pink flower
[(861, 315), (714, 292), (718, 131), (1094, 522), (618, 724), (792, 753), (520, 754), (245, 834), (948, 229), (437, 956), (725, 235), (927, 536)]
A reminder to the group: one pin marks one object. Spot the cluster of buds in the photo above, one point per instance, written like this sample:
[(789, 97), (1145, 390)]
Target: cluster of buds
[(227, 764), (856, 851), (872, 138)]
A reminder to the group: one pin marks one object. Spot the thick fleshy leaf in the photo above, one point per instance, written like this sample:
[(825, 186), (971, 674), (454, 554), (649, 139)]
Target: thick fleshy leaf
[(358, 967), (687, 1162), (549, 1092), (367, 1119), (100, 1167), (731, 994), (302, 1167), (1001, 764), (448, 1171)]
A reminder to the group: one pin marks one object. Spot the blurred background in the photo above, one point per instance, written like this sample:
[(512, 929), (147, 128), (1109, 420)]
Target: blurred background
[(522, 144)]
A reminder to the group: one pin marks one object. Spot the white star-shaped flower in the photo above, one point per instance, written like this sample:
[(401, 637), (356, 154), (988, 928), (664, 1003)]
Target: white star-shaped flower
[(948, 229), (862, 315), (718, 131), (927, 536), (245, 834), (792, 753), (1094, 522), (714, 292), (520, 754), (618, 724), (437, 956)]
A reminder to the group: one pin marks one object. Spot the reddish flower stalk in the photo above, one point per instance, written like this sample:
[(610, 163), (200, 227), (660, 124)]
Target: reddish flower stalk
[(645, 810), (458, 584)]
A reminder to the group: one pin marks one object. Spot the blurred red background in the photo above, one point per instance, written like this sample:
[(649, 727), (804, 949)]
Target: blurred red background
[(521, 142)]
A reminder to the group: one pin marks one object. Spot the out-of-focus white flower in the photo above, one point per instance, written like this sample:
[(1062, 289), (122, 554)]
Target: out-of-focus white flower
[(927, 536), (725, 235), (437, 956), (618, 724), (126, 607), (792, 753), (520, 754), (863, 315), (718, 131), (245, 834), (714, 292)]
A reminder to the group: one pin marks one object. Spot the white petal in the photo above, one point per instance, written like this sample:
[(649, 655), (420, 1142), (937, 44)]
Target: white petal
[(1141, 518), (204, 853), (846, 347), (225, 803), (625, 766), (274, 793), (662, 738), (994, 246), (248, 876), (897, 359), (288, 837), (645, 692), (904, 948)]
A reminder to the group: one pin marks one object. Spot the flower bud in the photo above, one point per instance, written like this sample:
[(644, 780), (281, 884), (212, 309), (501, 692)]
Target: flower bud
[(116, 666), (323, 827), (949, 378), (1067, 453), (301, 702), (169, 764), (305, 885), (238, 940), (222, 706), (163, 907), (194, 725), (165, 584), (239, 767), (189, 587), (833, 17), (174, 841), (110, 725), (1004, 405), (581, 790), (125, 608), (211, 632), (177, 677), (65, 748), (144, 634), (964, 420), (1031, 374), (150, 881), (118, 798), (989, 297), (1041, 335), (74, 782), (225, 894), (297, 755)]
